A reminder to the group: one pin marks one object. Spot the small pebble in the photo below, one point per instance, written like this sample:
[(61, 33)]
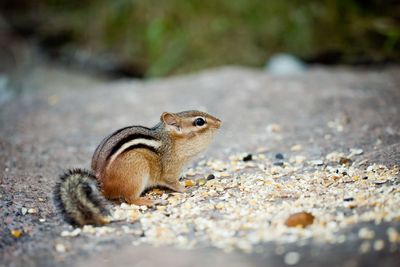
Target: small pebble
[(274, 128), (223, 174), (302, 219), (190, 172), (365, 247), (365, 233), (317, 162), (296, 148), (379, 244), (292, 258), (279, 156), (24, 211), (75, 232), (356, 151), (201, 182), (370, 168), (393, 235), (262, 150), (210, 177), (248, 157), (60, 248), (299, 159), (32, 211), (143, 208), (345, 161)]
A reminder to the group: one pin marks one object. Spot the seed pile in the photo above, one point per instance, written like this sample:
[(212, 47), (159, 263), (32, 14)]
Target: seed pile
[(251, 199)]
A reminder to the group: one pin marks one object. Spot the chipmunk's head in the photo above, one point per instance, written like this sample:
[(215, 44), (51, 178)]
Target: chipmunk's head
[(195, 128)]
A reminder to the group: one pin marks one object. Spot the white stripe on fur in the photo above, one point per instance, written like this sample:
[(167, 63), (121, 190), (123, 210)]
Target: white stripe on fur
[(152, 143)]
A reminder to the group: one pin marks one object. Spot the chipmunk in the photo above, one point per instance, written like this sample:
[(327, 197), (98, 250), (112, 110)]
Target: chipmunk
[(131, 160)]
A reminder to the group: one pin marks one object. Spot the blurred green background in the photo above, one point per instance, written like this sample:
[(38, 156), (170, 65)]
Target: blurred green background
[(157, 38)]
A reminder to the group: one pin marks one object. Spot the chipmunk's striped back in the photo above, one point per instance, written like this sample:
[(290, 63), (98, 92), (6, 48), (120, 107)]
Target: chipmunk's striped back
[(125, 139)]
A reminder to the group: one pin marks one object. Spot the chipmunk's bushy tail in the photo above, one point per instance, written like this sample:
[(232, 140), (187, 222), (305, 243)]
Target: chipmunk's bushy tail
[(77, 196)]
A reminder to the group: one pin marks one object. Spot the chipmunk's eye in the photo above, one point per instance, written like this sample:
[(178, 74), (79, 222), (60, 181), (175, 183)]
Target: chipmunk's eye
[(199, 122)]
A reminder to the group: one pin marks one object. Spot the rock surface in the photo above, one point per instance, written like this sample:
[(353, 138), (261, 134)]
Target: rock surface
[(43, 132)]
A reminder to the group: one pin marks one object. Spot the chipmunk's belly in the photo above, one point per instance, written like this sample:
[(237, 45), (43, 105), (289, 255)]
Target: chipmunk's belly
[(129, 174)]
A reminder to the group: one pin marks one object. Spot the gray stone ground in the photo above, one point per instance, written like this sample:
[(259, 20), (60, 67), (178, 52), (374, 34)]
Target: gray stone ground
[(58, 125)]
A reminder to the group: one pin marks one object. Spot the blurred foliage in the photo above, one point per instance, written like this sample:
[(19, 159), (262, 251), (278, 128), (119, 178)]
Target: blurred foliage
[(167, 37)]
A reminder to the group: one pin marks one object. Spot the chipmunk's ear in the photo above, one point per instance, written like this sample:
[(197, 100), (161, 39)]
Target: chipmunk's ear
[(171, 122)]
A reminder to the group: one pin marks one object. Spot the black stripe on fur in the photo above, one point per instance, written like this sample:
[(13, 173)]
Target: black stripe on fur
[(85, 178), (140, 146), (130, 138)]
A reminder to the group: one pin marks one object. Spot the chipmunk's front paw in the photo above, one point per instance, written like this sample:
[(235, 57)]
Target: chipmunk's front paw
[(175, 186), (181, 189)]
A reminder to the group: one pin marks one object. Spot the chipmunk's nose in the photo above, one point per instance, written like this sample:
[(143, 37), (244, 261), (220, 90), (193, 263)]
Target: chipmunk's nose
[(218, 123)]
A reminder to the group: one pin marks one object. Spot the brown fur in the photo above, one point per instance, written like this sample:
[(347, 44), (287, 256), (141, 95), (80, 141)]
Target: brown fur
[(132, 172)]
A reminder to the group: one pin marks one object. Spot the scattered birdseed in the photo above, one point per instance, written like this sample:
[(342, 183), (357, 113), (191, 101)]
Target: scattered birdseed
[(365, 233), (317, 162), (292, 258), (126, 212), (345, 161), (16, 233), (356, 151), (61, 248), (393, 235), (72, 233), (189, 183), (274, 128), (296, 148), (250, 202), (379, 244), (365, 247), (298, 159), (201, 182), (262, 150), (302, 219), (334, 156), (32, 211), (191, 172)]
